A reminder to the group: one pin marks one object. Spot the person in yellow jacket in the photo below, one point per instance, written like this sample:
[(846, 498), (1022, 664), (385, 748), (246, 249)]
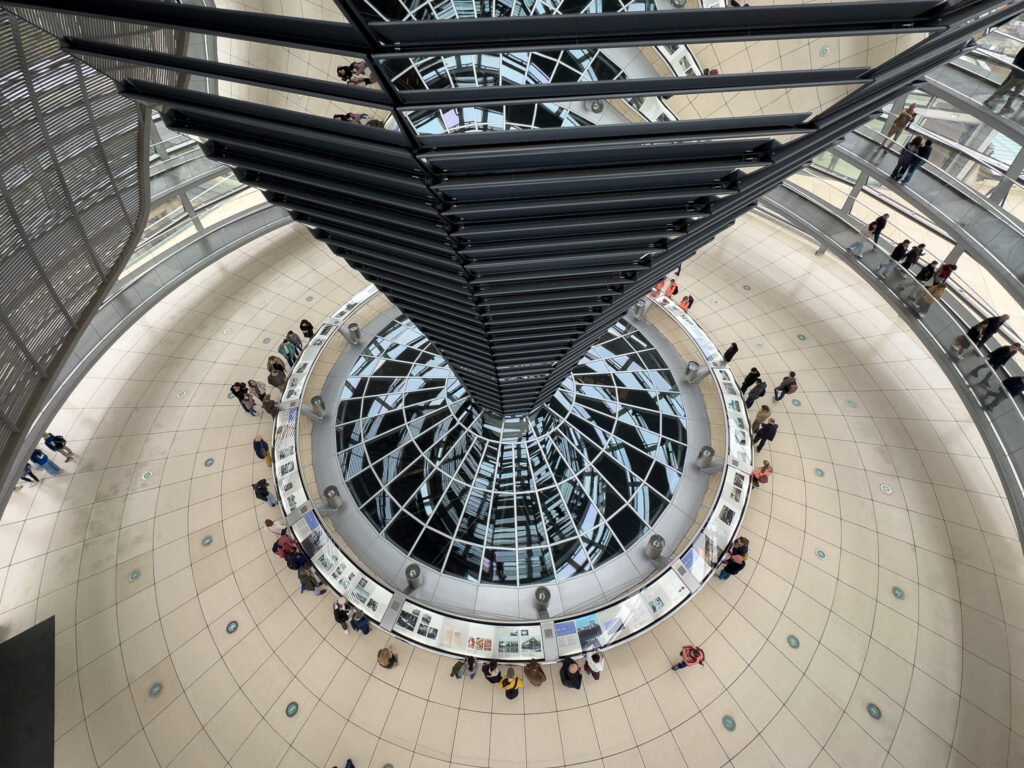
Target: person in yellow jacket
[(511, 682)]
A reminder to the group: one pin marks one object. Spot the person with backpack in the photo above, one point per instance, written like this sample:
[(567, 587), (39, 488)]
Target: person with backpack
[(310, 581), (262, 491), (786, 387), (58, 444), (691, 655), (341, 613), (761, 474), (491, 672), (686, 303), (511, 683), (386, 657), (360, 622), (39, 458)]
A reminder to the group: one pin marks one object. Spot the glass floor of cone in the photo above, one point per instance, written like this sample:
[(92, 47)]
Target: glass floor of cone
[(520, 501)]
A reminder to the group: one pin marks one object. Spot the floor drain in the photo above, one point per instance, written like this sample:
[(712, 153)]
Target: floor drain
[(729, 723), (898, 593), (820, 553), (292, 709), (874, 711), (231, 627), (793, 641)]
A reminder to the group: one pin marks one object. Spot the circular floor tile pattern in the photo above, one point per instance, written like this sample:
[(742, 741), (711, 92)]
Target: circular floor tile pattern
[(309, 298), (885, 488), (729, 723), (793, 641), (714, 301), (292, 709), (207, 541), (825, 50), (231, 395), (155, 689), (819, 472), (280, 283), (746, 287), (760, 346), (134, 575), (820, 553), (796, 402), (801, 337), (232, 627), (180, 394), (898, 593), (146, 475), (266, 340), (874, 711), (227, 331), (850, 404), (208, 463)]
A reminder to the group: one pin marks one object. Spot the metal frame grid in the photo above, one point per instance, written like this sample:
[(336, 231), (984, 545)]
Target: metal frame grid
[(513, 250)]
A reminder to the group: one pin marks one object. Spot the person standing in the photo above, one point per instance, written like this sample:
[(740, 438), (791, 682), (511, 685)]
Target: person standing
[(310, 581), (570, 674), (534, 672), (276, 528), (760, 389), (730, 352), (672, 289), (262, 491), (923, 153), (1012, 84), (28, 475), (593, 665), (733, 565), (307, 328), (341, 613), (761, 474), (295, 339), (897, 255), (261, 448), (277, 379), (386, 658), (270, 406), (766, 433), (511, 683), (257, 389), (686, 303), (857, 246), (275, 363), (902, 120), (1012, 387), (58, 444), (786, 387), (749, 379), (880, 223), (691, 657), (491, 672), (760, 418), (907, 154), (360, 622), (288, 350), (39, 458), (249, 404)]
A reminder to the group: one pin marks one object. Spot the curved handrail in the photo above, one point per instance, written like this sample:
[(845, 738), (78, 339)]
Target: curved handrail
[(546, 639)]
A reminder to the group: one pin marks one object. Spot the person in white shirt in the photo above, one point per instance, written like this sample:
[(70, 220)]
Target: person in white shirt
[(276, 528), (593, 665)]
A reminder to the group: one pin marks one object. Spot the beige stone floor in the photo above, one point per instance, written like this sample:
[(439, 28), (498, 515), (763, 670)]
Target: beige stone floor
[(944, 664)]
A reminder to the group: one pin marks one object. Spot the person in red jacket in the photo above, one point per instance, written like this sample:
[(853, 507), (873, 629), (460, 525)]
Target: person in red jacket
[(691, 655)]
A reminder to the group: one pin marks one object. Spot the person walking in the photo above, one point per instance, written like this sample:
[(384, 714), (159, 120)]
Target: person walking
[(28, 475), (766, 433), (749, 379), (730, 352), (760, 389), (897, 255), (360, 622), (570, 674), (943, 273), (1012, 387), (295, 339), (511, 683), (310, 581), (270, 406), (913, 255), (761, 474), (672, 289), (261, 448), (980, 333), (786, 387), (927, 272), (341, 615), (692, 655), (262, 491), (1012, 84), (995, 360), (39, 458), (760, 418), (857, 246), (880, 223), (593, 665), (534, 672), (906, 155), (307, 328), (899, 124), (386, 658), (491, 672), (58, 444), (923, 153)]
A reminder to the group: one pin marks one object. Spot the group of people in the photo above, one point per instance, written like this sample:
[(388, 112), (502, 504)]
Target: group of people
[(356, 73), (40, 459), (979, 335), (669, 289), (914, 152)]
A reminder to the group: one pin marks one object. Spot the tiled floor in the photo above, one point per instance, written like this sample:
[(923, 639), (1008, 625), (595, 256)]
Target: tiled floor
[(909, 601)]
